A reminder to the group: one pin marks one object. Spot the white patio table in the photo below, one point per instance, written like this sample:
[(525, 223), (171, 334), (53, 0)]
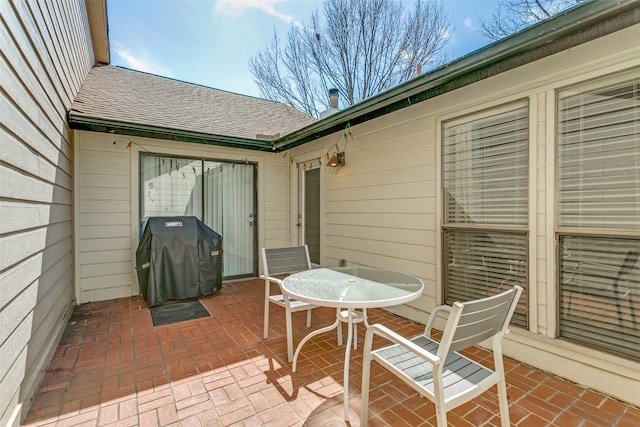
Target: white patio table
[(350, 288)]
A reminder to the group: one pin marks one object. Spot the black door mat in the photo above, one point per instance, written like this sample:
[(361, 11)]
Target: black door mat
[(174, 312)]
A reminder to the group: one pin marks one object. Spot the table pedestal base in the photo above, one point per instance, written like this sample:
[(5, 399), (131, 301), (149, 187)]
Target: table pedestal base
[(350, 317)]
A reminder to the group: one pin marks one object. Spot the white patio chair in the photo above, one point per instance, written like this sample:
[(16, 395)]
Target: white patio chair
[(278, 261), (436, 370)]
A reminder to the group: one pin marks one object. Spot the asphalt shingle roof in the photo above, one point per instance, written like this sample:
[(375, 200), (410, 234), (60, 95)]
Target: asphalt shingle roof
[(118, 94)]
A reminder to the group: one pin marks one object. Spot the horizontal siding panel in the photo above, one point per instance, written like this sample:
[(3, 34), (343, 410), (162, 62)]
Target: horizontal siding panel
[(382, 234), (276, 206), (104, 269), (383, 191), (40, 117), (21, 157), (368, 162), (111, 194), (106, 282), (52, 71), (419, 253), (31, 242), (10, 385), (104, 181), (103, 257), (88, 245), (18, 311), (404, 221), (25, 130), (106, 293), (110, 169), (24, 216), (383, 206), (14, 346), (47, 332), (421, 270), (276, 238), (57, 278), (381, 177), (99, 206), (38, 84), (15, 279), (46, 68), (119, 218), (55, 299), (105, 231), (14, 185)]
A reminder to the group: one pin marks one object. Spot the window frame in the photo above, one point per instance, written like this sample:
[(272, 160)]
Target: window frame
[(522, 230), (626, 240)]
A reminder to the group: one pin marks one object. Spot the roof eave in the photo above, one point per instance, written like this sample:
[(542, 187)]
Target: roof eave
[(97, 124), (451, 76)]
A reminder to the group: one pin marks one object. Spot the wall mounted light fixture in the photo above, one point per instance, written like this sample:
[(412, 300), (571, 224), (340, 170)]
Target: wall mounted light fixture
[(337, 160)]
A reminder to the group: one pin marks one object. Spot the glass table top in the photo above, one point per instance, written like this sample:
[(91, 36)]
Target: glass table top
[(357, 287)]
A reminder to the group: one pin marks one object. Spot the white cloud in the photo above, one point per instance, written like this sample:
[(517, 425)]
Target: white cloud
[(468, 23), (236, 7), (130, 60)]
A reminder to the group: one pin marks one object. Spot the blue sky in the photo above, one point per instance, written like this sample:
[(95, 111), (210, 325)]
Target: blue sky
[(210, 42)]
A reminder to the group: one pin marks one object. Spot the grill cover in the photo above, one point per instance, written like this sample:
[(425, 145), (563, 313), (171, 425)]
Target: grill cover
[(178, 258)]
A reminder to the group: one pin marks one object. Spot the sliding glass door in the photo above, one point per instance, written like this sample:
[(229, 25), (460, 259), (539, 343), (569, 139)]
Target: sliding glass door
[(221, 194)]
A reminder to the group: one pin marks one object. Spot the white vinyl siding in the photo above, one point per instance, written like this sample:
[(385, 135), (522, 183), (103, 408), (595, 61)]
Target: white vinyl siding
[(485, 172), (46, 54), (599, 198)]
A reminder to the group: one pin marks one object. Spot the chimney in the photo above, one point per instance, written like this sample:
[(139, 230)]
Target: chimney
[(333, 98)]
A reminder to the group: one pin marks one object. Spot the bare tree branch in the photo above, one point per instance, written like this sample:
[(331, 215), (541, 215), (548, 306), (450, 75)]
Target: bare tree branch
[(360, 47), (512, 16)]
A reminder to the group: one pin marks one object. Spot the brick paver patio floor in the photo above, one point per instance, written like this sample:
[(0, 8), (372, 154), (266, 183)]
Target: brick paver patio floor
[(114, 368)]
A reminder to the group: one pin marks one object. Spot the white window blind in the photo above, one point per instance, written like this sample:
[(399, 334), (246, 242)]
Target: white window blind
[(598, 185), (599, 156), (485, 167), (485, 205)]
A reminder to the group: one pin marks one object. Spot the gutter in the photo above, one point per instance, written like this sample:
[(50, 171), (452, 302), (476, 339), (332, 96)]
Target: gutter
[(95, 124), (571, 28)]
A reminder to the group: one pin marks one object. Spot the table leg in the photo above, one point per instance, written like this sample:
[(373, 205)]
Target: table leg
[(347, 357), (311, 335)]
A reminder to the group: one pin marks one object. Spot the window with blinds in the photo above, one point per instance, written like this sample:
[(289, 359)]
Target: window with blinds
[(598, 193), (485, 170)]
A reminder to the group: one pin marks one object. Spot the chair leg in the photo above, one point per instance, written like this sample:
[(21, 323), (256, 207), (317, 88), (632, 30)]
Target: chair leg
[(366, 376), (289, 335), (266, 310), (308, 318), (502, 382), (441, 416), (504, 403)]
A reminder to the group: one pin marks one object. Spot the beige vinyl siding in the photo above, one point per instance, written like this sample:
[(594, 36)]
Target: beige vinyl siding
[(103, 219), (46, 54), (108, 208), (383, 208), (379, 209), (276, 202)]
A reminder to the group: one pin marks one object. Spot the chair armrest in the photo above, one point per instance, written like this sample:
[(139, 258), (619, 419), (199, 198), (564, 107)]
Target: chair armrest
[(387, 333), (271, 279), (432, 317)]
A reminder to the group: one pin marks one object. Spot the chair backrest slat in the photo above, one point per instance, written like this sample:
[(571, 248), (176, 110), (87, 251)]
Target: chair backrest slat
[(481, 319), (285, 260)]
